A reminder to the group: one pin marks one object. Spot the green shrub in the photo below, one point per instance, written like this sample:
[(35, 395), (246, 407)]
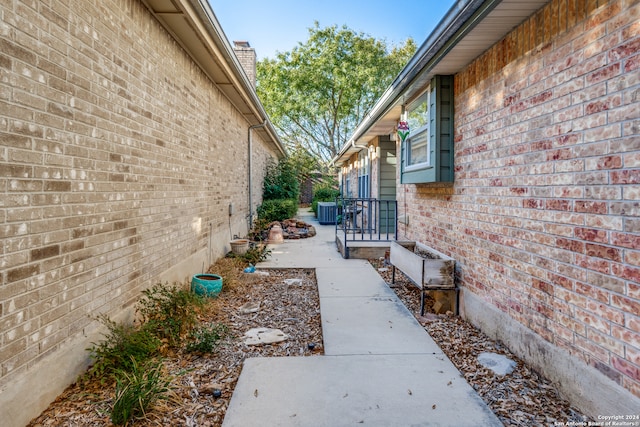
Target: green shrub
[(206, 338), (169, 312), (256, 254), (277, 210), (281, 181), (123, 347), (137, 390)]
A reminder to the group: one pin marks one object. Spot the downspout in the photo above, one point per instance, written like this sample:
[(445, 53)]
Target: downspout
[(250, 173), (354, 145)]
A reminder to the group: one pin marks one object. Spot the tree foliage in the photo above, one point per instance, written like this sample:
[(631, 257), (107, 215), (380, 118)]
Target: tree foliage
[(318, 93), (284, 178)]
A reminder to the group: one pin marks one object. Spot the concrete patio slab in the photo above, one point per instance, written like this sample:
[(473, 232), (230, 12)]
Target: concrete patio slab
[(377, 325), (351, 282), (335, 391), (380, 367)]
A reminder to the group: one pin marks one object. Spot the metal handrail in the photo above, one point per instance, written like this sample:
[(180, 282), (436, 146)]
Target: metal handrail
[(362, 219)]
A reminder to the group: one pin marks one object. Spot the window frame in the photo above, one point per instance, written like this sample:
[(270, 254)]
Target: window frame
[(346, 183), (439, 128), (420, 131), (364, 174)]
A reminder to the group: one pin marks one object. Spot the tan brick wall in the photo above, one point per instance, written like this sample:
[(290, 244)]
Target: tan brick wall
[(118, 159), (543, 215)]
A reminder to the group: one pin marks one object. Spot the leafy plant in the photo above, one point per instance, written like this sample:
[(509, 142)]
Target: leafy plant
[(137, 390), (206, 338), (281, 181), (256, 254), (170, 312), (259, 230), (323, 192), (123, 347), (277, 210)]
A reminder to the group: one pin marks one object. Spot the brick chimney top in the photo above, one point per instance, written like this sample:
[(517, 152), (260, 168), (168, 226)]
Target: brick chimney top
[(241, 44), (247, 57)]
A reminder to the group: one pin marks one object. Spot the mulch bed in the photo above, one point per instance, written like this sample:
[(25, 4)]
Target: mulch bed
[(522, 398), (289, 301)]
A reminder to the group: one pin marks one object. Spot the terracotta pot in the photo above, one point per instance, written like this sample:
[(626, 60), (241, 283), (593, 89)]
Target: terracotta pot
[(275, 234)]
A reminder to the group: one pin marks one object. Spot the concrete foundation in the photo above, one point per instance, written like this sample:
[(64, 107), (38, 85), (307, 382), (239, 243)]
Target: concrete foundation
[(586, 388), (366, 249), (41, 384)]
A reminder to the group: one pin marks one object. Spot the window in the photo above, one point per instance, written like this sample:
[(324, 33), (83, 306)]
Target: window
[(417, 150), (346, 182), (427, 153), (363, 174)]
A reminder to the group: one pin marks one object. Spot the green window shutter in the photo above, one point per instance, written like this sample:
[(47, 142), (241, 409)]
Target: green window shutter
[(440, 136), (444, 122)]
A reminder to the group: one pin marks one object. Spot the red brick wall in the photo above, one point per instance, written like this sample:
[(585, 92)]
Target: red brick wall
[(544, 215)]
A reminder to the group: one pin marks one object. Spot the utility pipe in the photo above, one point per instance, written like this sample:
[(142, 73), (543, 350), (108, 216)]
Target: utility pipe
[(250, 173), (354, 145)]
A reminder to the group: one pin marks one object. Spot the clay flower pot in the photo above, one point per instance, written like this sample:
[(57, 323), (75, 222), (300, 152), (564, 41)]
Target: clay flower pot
[(239, 246), (275, 234)]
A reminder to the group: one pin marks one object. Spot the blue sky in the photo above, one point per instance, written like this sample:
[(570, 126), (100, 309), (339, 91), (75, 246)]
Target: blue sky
[(278, 25)]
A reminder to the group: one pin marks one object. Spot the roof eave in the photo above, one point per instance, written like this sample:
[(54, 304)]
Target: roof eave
[(431, 58), (195, 27)]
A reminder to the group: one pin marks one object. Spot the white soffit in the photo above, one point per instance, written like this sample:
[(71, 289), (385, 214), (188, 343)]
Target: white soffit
[(489, 30), (498, 23)]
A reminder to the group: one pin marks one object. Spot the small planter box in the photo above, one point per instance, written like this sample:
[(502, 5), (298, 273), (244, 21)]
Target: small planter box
[(427, 268)]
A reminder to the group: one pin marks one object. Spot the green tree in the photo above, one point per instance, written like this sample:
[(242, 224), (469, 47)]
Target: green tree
[(284, 179), (318, 93)]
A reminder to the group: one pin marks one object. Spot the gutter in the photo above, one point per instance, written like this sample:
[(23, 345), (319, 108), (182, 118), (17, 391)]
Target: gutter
[(463, 16), (208, 18)]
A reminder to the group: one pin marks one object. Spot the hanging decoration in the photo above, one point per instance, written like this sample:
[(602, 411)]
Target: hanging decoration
[(403, 130)]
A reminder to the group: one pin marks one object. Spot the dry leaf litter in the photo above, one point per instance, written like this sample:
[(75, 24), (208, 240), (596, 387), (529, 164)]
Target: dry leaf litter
[(287, 299), (521, 398)]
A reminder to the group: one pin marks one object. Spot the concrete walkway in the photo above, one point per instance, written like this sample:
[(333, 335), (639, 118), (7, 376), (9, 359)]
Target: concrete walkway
[(380, 367)]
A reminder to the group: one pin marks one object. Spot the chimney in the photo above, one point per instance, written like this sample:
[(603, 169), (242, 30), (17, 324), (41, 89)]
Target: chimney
[(247, 57)]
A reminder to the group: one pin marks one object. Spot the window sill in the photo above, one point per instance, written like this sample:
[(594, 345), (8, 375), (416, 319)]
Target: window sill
[(418, 167)]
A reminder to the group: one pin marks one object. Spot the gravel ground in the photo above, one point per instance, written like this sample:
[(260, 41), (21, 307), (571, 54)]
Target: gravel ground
[(289, 301)]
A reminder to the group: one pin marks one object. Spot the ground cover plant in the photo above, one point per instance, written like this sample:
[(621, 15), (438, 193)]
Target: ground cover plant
[(192, 383), (169, 312), (137, 389), (124, 346), (131, 354)]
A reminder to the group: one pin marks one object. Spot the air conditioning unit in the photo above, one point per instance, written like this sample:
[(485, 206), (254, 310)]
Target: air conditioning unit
[(327, 212)]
